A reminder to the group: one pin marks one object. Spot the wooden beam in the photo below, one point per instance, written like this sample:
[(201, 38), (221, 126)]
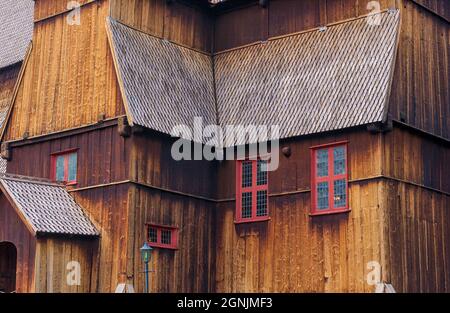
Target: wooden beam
[(433, 12), (16, 90), (64, 133)]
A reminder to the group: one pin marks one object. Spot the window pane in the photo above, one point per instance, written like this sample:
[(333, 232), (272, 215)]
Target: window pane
[(72, 167), (339, 160), (247, 174), (322, 163), (59, 168), (261, 203), (166, 236), (340, 194), (261, 178), (152, 237), (246, 204), (322, 195)]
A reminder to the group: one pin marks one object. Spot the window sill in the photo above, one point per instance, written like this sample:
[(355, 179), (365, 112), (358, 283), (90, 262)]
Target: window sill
[(330, 212), (71, 183), (157, 246), (257, 220)]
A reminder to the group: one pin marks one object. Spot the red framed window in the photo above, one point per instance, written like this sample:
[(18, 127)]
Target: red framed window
[(64, 166), (329, 178), (252, 194), (159, 236)]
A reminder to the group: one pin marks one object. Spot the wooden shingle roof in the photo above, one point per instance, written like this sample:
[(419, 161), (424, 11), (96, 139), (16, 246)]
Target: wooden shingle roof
[(320, 80), (163, 84), (16, 30), (46, 207)]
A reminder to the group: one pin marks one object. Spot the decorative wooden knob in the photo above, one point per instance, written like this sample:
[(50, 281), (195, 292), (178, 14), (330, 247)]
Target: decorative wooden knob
[(286, 151)]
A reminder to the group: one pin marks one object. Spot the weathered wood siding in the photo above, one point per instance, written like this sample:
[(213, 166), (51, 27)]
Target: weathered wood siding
[(174, 193), (69, 78), (103, 157), (417, 159), (253, 23), (107, 207), (176, 22), (417, 239), (14, 230), (417, 236), (191, 267), (420, 93), (296, 252), (153, 164), (53, 272)]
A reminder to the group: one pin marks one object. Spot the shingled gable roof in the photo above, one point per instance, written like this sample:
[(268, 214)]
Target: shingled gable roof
[(46, 207), (320, 80), (16, 30)]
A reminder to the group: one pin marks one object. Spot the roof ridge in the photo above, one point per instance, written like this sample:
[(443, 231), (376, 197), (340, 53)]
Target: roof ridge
[(30, 179)]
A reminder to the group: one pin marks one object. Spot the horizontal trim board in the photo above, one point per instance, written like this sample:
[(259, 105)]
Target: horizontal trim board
[(65, 133), (279, 194)]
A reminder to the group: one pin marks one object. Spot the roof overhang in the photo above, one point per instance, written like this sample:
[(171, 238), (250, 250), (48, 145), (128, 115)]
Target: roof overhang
[(46, 208), (324, 79)]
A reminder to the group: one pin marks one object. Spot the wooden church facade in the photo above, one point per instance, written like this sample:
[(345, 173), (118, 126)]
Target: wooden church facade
[(76, 117)]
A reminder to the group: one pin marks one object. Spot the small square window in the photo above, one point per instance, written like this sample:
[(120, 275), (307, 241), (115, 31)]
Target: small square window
[(64, 167)]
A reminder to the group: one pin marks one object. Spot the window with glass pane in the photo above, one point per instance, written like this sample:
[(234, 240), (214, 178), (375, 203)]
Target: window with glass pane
[(329, 178), (152, 234), (261, 205), (166, 236), (261, 173), (247, 173), (339, 160), (340, 193), (60, 176), (64, 167), (251, 191), (246, 205), (162, 236), (72, 175), (322, 163), (322, 195)]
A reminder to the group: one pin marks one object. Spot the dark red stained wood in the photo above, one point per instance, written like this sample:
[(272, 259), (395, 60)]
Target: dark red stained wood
[(241, 27), (14, 231), (96, 162), (293, 16)]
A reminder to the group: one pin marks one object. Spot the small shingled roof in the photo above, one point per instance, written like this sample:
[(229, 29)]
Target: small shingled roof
[(16, 30), (319, 80), (46, 207)]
